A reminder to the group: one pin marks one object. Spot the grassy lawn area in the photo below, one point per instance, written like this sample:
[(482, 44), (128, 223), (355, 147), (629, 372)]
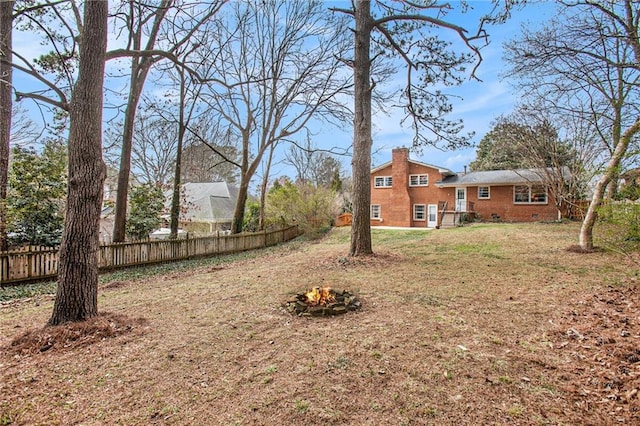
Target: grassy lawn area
[(484, 324)]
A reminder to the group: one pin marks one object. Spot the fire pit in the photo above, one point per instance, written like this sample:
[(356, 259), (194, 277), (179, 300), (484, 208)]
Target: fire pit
[(323, 301)]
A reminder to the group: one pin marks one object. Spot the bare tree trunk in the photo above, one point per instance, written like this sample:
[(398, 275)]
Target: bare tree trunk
[(611, 172), (361, 162), (122, 194), (263, 188), (140, 67), (238, 213), (77, 294), (6, 10), (175, 197)]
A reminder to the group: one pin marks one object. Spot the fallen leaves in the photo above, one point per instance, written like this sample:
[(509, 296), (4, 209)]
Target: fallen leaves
[(600, 338)]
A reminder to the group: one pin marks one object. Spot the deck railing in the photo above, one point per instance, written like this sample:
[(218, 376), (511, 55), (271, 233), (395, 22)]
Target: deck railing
[(37, 263)]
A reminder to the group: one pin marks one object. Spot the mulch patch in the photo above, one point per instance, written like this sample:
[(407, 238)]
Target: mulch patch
[(73, 335), (599, 340)]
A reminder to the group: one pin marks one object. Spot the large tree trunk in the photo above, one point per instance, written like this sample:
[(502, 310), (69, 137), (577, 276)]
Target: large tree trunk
[(6, 10), (174, 221), (139, 74), (77, 295), (140, 67), (241, 202), (247, 170), (361, 162)]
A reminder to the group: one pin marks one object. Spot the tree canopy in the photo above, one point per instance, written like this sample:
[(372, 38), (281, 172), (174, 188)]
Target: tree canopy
[(513, 143), (410, 32), (35, 200), (585, 63)]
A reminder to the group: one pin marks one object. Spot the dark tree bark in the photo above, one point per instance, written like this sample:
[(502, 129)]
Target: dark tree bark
[(77, 294), (6, 10), (138, 76), (175, 197), (361, 162), (238, 213)]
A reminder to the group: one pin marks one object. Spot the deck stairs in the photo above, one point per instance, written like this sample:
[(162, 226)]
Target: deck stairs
[(450, 219)]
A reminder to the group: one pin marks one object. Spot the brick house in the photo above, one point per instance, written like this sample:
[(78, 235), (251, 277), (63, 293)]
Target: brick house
[(408, 193)]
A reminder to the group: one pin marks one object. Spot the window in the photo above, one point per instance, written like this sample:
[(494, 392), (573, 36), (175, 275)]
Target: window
[(419, 211), (375, 211), (534, 194), (483, 193), (383, 181), (538, 194), (418, 180)]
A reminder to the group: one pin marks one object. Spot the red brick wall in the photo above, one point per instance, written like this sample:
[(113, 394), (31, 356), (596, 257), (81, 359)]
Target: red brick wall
[(501, 204), (398, 200), (396, 203)]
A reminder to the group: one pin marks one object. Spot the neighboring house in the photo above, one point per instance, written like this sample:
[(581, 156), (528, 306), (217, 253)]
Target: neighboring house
[(412, 194), (206, 206)]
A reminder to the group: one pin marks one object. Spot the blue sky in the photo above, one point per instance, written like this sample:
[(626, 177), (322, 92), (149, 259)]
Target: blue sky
[(477, 103)]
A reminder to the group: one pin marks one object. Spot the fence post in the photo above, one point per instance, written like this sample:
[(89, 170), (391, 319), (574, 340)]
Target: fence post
[(29, 261)]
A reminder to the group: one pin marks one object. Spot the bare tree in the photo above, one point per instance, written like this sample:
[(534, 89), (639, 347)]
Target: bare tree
[(279, 69), (77, 294), (23, 129), (6, 23), (153, 153), (528, 138), (315, 166), (202, 163), (186, 18), (586, 63), (409, 30)]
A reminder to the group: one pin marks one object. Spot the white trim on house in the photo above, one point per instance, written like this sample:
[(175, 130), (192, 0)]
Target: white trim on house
[(385, 182), (420, 212), (421, 179), (483, 196), (441, 170), (376, 212), (532, 197)]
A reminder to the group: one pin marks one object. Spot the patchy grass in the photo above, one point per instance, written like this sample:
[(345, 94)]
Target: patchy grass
[(485, 324)]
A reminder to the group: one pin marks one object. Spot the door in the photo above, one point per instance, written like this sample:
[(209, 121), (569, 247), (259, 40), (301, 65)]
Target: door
[(461, 199), (432, 215)]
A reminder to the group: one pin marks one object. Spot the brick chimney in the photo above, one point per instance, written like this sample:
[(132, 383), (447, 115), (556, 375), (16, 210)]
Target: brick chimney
[(400, 200)]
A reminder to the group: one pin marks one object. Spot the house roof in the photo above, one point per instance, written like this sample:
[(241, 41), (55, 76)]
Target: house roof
[(441, 170), (207, 201), (494, 177)]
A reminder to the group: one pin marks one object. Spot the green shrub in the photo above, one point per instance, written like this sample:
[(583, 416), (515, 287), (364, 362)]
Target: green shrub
[(618, 226)]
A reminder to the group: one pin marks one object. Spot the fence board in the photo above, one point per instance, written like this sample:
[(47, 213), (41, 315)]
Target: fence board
[(36, 263)]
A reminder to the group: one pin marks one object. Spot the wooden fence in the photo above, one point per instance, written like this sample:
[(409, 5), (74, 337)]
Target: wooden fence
[(37, 263)]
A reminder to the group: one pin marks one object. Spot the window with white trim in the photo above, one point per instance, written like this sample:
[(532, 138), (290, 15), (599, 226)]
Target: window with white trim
[(419, 211), (383, 182), (529, 194), (418, 180), (484, 193), (375, 211)]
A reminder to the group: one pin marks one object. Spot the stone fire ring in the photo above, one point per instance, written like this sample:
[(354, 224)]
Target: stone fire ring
[(343, 303)]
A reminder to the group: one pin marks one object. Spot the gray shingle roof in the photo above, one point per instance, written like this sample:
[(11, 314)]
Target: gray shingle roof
[(494, 177), (207, 201)]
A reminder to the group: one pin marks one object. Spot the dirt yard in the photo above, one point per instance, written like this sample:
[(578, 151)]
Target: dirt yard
[(485, 324)]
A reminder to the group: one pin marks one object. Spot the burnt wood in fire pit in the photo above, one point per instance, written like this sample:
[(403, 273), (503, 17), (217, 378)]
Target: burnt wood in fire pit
[(342, 302)]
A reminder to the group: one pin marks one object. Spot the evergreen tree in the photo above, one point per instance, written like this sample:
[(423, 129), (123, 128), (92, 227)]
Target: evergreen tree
[(37, 187), (146, 204)]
